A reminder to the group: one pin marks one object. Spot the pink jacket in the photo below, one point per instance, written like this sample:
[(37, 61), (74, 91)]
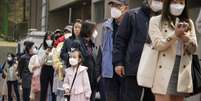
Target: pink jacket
[(81, 84)]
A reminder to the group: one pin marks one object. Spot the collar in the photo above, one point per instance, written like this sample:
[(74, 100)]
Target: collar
[(146, 10), (108, 24)]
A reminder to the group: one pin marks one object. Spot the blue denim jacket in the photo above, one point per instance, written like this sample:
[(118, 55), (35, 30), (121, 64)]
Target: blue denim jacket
[(107, 48)]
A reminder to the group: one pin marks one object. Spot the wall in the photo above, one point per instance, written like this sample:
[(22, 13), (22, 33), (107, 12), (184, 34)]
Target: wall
[(59, 18), (35, 14), (55, 4)]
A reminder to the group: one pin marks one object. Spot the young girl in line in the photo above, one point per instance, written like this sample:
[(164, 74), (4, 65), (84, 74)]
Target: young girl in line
[(76, 82)]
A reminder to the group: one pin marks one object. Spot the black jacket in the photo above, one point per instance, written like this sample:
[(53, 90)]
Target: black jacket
[(130, 39), (23, 70), (89, 60)]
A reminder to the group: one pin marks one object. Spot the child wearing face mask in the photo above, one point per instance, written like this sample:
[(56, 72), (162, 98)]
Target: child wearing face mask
[(76, 82), (11, 75)]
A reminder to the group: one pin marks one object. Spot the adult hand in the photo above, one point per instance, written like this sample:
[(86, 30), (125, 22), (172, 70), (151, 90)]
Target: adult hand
[(181, 28), (120, 70), (185, 37)]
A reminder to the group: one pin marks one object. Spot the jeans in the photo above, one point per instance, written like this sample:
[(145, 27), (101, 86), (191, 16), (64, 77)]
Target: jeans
[(16, 89), (26, 94)]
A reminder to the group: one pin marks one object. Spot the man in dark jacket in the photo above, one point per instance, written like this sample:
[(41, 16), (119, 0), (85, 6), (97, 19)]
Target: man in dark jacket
[(111, 81), (128, 46)]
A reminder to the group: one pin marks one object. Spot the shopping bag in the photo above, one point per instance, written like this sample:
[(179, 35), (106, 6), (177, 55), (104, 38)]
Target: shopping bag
[(147, 66)]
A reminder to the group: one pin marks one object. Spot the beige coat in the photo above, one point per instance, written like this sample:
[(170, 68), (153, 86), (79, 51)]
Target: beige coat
[(164, 40)]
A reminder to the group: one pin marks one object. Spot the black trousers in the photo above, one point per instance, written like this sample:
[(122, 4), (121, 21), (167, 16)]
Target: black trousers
[(131, 90), (113, 88), (26, 94), (14, 84), (46, 78)]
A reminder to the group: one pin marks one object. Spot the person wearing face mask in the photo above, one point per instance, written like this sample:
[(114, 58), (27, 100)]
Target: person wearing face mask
[(67, 43), (47, 70), (11, 75), (127, 49), (68, 31), (76, 82), (35, 68), (58, 68), (24, 72), (111, 81), (89, 52), (173, 35)]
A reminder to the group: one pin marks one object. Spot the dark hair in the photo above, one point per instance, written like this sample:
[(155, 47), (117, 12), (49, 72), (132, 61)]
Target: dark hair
[(28, 46), (10, 63), (87, 28), (11, 54), (45, 46), (168, 17), (73, 33)]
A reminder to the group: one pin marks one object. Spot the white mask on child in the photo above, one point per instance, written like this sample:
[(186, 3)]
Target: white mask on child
[(73, 61)]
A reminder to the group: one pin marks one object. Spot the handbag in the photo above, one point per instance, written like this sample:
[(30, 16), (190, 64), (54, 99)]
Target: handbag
[(67, 96), (147, 66), (196, 75), (35, 83)]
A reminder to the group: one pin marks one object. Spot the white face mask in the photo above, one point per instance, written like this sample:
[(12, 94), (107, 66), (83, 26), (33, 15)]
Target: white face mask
[(73, 62), (35, 51), (9, 58), (176, 9), (95, 34), (156, 6), (115, 12), (49, 43)]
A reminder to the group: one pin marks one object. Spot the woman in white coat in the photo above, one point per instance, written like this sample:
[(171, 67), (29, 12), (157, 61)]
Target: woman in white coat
[(80, 90), (173, 35)]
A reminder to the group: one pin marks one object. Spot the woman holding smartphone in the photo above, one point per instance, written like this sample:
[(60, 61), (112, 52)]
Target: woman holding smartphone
[(173, 35)]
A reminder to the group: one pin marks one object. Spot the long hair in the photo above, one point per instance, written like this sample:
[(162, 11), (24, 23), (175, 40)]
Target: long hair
[(168, 17), (45, 46), (73, 33)]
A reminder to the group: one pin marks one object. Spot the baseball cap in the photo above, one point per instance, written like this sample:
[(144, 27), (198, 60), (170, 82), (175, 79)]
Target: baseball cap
[(68, 28), (118, 2)]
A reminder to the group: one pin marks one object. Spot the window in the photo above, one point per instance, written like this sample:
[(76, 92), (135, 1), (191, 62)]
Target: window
[(99, 10)]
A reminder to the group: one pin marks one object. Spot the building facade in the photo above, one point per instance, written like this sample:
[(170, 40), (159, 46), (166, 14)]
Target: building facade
[(64, 12)]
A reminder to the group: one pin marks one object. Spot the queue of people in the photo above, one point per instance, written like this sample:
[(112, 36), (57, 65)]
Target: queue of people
[(69, 65)]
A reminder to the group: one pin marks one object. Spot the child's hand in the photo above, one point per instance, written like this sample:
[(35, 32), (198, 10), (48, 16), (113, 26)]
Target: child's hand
[(67, 92)]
